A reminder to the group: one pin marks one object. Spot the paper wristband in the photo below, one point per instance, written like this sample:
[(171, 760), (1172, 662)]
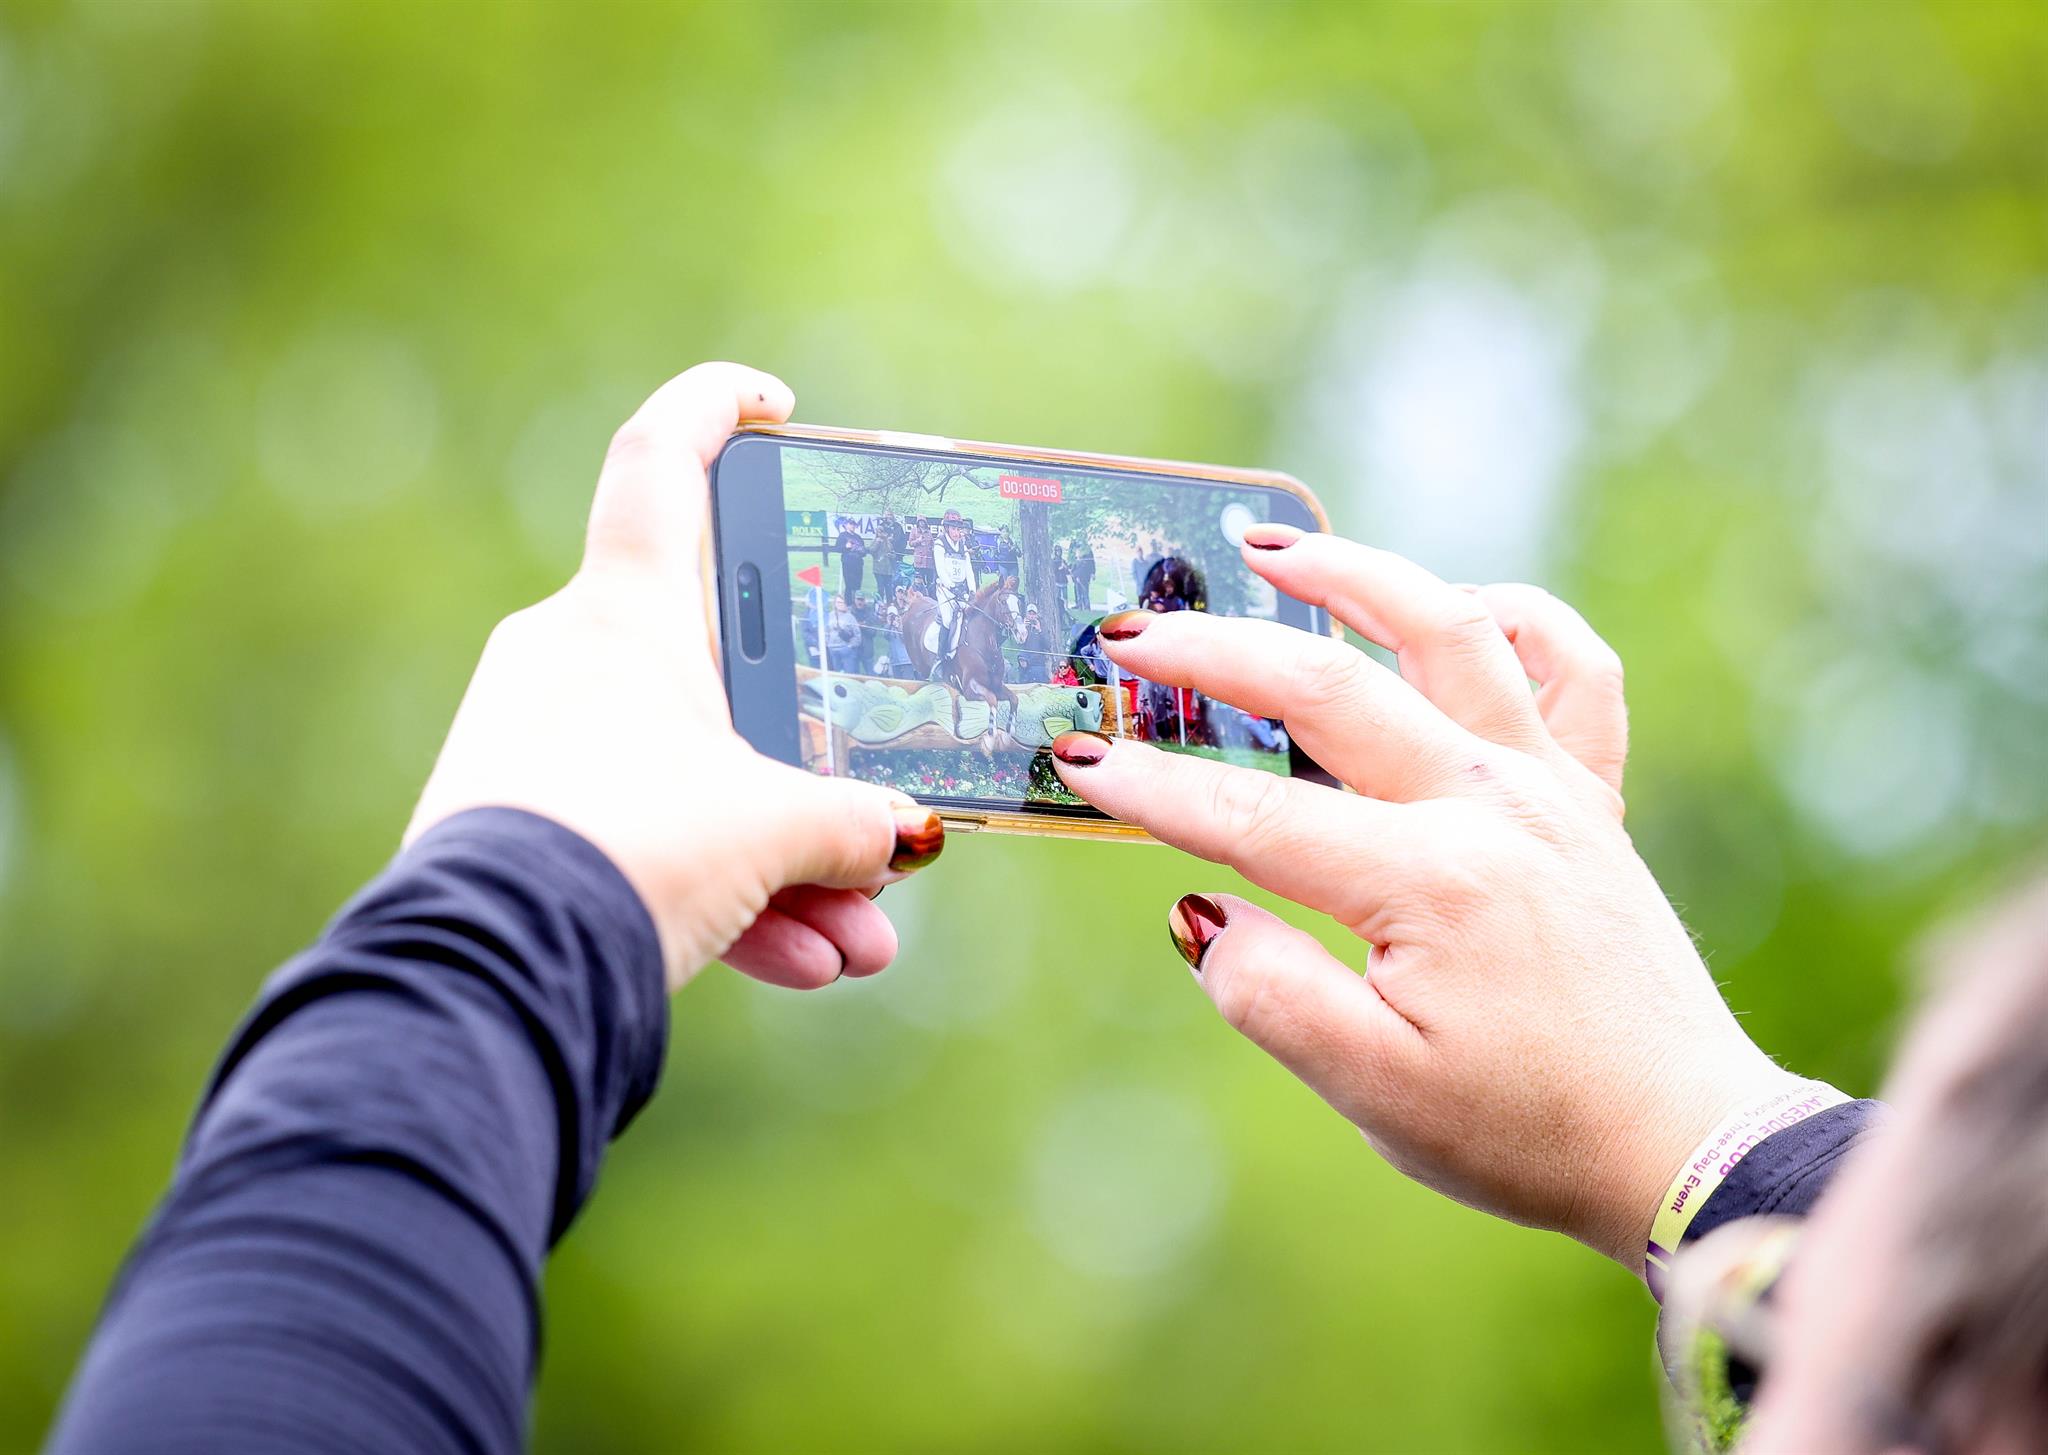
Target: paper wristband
[(1717, 1156)]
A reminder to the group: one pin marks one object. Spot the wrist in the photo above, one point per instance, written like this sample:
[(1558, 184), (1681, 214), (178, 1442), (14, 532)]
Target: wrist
[(1667, 1075), (1658, 1129)]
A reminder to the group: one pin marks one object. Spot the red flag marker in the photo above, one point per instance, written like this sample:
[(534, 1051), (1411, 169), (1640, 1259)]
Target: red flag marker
[(813, 575)]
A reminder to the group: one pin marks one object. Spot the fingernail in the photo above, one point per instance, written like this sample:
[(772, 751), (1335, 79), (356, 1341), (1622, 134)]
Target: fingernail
[(1082, 749), (919, 838), (1194, 921), (1271, 535), (1123, 625), (876, 892), (842, 968)]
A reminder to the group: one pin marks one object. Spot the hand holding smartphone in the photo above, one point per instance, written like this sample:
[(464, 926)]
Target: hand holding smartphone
[(921, 613)]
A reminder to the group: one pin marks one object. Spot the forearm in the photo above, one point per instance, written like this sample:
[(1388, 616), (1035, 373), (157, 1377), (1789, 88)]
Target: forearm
[(349, 1255)]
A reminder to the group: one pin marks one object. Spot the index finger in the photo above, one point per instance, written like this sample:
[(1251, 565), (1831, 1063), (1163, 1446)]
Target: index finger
[(1353, 716), (1448, 645), (1338, 852), (653, 498)]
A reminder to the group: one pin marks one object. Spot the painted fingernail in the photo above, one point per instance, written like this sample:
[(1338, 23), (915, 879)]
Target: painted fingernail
[(1194, 922), (919, 838), (1081, 750), (1123, 625), (1271, 535)]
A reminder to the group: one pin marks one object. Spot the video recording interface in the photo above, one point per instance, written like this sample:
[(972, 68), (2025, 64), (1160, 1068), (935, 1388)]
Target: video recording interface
[(945, 613)]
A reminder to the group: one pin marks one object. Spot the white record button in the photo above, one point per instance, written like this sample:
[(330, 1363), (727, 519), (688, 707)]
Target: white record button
[(1235, 520)]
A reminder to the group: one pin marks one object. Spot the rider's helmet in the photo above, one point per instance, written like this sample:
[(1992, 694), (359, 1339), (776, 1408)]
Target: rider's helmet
[(953, 521)]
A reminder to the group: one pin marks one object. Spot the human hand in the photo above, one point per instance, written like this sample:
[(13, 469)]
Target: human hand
[(602, 708), (1534, 1034)]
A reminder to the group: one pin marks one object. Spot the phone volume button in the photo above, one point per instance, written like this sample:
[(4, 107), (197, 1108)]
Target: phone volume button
[(897, 439)]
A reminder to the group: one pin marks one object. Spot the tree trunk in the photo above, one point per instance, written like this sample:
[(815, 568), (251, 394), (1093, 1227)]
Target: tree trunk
[(1034, 529)]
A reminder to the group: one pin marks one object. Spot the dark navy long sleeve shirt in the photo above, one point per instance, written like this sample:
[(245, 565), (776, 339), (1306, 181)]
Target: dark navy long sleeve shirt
[(349, 1255)]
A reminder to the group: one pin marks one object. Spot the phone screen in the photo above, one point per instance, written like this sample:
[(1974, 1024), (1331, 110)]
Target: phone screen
[(930, 618)]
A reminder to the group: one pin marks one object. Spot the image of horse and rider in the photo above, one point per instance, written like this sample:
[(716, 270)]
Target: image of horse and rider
[(1004, 594), (946, 605), (956, 634)]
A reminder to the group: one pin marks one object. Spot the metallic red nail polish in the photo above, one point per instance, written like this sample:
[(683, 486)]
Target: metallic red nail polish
[(1123, 625), (919, 838), (1271, 535), (1082, 749), (1194, 922)]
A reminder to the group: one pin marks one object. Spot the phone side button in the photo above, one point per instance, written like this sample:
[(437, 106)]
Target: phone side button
[(897, 439), (961, 823)]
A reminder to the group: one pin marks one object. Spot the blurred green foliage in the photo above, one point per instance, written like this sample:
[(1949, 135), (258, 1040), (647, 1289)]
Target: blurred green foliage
[(1729, 322)]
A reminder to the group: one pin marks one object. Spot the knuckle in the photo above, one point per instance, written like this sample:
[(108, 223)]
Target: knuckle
[(1606, 671), (632, 442), (1527, 796), (1522, 595), (1594, 775), (1259, 1005), (1325, 674), (1462, 624), (1249, 807), (1535, 808)]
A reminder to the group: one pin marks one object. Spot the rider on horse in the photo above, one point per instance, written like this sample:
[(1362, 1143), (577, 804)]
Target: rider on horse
[(954, 587)]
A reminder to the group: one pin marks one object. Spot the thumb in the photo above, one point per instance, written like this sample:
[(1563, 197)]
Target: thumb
[(653, 500), (845, 834), (1296, 1001)]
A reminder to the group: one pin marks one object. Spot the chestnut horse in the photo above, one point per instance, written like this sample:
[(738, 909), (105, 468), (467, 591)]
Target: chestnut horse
[(977, 669)]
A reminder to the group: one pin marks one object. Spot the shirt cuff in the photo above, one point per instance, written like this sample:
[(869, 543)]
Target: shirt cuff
[(1788, 1171)]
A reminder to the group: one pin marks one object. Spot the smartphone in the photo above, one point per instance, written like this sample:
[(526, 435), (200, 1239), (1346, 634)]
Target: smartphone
[(921, 612)]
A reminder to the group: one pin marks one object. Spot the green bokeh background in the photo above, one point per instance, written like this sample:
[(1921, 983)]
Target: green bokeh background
[(1729, 322)]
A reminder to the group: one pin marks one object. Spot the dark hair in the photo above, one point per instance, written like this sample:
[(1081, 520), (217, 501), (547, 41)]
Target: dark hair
[(1172, 584), (1969, 1340)]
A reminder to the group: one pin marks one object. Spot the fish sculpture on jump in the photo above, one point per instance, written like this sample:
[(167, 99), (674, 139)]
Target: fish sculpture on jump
[(873, 712)]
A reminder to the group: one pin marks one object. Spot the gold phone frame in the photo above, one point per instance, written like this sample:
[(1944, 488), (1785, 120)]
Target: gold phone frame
[(1043, 824)]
